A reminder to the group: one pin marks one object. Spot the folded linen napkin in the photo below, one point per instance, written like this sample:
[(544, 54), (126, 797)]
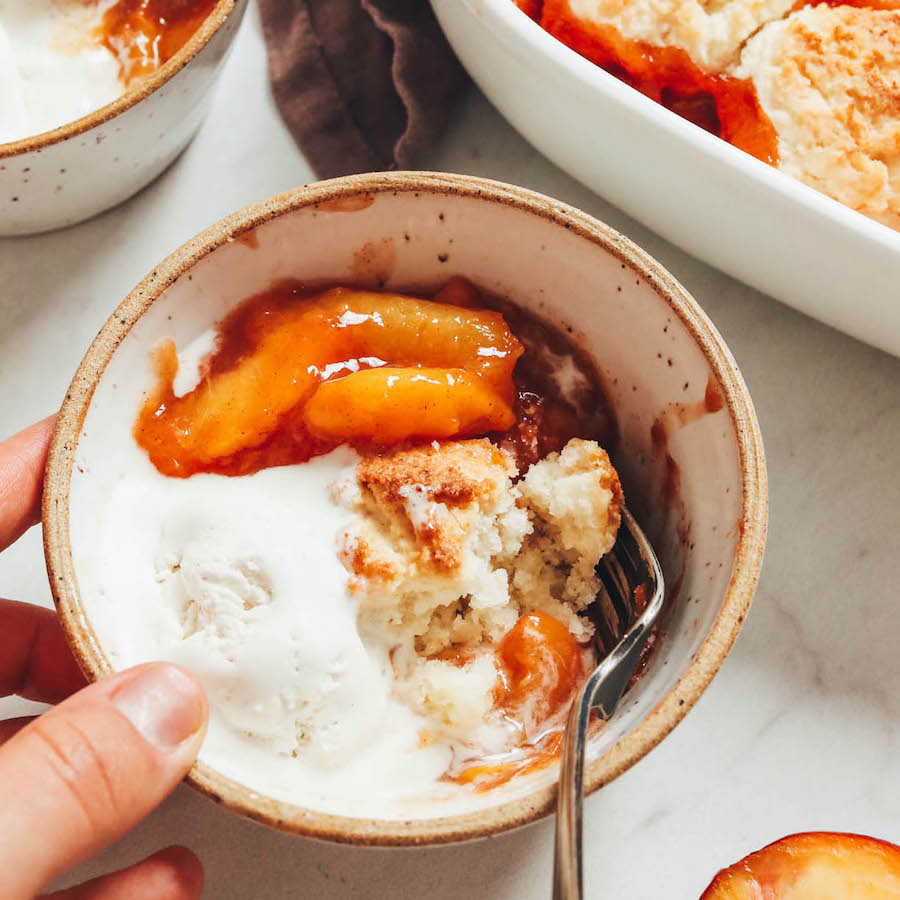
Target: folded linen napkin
[(363, 85)]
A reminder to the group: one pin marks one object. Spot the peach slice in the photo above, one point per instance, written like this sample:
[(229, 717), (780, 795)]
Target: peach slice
[(539, 658), (390, 405), (813, 866), (459, 291), (299, 346)]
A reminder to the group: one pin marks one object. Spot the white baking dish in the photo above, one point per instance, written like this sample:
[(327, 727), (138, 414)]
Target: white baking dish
[(709, 198)]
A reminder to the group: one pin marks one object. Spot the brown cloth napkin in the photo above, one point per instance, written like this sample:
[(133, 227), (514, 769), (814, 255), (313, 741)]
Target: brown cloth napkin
[(363, 85)]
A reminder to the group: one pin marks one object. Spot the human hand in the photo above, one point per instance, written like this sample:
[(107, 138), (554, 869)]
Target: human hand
[(78, 777)]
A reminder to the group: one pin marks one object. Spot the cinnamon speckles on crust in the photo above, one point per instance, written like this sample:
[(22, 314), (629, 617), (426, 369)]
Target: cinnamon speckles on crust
[(365, 562), (431, 493), (457, 472), (449, 549), (813, 86), (829, 79)]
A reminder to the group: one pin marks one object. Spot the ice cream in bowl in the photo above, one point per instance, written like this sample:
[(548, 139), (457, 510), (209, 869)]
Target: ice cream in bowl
[(98, 97), (353, 455)]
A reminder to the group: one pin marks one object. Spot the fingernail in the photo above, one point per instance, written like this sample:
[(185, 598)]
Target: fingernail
[(164, 704)]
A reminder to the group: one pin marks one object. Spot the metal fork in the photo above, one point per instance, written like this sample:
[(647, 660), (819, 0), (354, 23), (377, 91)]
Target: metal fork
[(624, 626)]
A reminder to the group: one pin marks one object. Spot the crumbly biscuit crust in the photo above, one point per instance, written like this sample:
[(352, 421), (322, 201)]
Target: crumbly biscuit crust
[(448, 550), (829, 78)]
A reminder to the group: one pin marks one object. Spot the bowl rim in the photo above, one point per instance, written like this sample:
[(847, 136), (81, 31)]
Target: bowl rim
[(130, 97), (632, 746), (522, 34)]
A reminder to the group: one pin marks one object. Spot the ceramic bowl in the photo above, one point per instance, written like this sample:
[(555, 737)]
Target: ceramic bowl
[(83, 168), (689, 448), (707, 197)]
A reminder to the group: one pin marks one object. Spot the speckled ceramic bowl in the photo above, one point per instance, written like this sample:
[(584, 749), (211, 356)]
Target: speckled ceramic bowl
[(66, 175), (689, 450)]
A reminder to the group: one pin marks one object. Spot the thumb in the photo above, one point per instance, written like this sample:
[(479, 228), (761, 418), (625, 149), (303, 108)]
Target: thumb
[(87, 771)]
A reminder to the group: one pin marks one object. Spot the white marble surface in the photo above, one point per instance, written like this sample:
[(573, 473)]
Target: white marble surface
[(800, 730)]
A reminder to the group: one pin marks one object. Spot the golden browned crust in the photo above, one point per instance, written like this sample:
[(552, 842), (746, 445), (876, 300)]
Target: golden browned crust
[(362, 559), (829, 79), (456, 473), (607, 477), (426, 495), (441, 544)]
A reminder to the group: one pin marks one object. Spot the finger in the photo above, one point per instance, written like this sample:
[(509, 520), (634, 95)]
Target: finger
[(35, 661), (88, 770), (22, 460), (11, 727), (172, 874)]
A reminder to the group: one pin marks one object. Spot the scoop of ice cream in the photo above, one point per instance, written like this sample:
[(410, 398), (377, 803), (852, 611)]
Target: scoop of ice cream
[(217, 584), (242, 586)]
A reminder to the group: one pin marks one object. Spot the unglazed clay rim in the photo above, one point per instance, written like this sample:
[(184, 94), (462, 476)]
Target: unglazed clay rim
[(197, 41), (634, 745)]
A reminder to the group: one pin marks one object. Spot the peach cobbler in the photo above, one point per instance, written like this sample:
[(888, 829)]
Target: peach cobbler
[(809, 86), (370, 523)]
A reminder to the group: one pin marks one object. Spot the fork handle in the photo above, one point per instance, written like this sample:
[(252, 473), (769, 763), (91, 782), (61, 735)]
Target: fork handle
[(603, 690), (567, 863)]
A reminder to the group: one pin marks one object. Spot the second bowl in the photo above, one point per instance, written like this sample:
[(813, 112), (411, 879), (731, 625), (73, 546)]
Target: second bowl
[(84, 167)]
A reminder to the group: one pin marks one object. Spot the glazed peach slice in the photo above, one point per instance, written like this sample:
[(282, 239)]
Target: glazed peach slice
[(813, 866), (301, 346), (539, 660), (388, 405)]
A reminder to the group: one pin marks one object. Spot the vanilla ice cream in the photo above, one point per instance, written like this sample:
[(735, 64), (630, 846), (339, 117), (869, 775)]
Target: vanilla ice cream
[(238, 580), (52, 68)]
